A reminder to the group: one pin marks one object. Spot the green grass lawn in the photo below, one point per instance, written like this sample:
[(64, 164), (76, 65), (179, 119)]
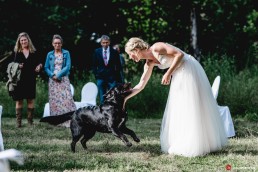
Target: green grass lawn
[(47, 148)]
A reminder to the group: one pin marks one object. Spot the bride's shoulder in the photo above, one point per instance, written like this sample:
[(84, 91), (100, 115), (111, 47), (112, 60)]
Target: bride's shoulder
[(158, 46)]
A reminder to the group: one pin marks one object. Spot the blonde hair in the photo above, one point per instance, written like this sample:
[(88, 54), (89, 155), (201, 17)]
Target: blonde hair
[(136, 43), (18, 47)]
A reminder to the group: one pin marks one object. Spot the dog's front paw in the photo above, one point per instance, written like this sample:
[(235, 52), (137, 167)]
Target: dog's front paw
[(136, 139), (129, 144)]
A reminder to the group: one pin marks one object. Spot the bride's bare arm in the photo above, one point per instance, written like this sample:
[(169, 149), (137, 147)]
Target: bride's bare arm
[(169, 51), (148, 67)]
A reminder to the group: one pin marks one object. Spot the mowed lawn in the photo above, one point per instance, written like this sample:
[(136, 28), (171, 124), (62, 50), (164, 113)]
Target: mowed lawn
[(47, 148)]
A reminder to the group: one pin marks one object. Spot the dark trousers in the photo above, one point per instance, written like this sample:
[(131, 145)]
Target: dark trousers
[(103, 87)]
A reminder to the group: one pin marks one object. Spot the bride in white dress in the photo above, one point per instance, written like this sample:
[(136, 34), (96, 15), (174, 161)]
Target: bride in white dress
[(191, 124)]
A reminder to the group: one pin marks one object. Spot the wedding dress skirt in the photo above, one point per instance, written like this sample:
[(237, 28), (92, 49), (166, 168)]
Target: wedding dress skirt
[(191, 125)]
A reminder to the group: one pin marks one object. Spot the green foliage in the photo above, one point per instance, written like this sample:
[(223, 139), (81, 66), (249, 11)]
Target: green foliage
[(238, 90), (241, 93), (215, 64), (228, 27), (252, 22), (251, 117), (6, 101), (150, 102), (41, 97)]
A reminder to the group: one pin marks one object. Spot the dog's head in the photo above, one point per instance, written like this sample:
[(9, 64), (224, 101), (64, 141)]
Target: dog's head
[(118, 93)]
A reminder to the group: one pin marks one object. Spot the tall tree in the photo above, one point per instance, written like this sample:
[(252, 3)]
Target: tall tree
[(194, 35)]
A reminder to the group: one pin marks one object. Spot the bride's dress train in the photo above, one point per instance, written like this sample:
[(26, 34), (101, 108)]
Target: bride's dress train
[(191, 125)]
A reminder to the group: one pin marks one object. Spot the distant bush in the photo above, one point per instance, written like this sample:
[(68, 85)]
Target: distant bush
[(241, 92), (215, 64), (6, 101), (150, 102), (238, 90)]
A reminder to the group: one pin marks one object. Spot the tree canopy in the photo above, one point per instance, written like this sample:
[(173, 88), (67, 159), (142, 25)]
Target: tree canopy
[(224, 27)]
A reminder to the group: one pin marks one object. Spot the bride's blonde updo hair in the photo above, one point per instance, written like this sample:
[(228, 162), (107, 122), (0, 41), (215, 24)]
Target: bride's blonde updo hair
[(134, 43)]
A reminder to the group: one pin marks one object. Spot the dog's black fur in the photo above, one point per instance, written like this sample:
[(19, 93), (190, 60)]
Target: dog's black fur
[(107, 118)]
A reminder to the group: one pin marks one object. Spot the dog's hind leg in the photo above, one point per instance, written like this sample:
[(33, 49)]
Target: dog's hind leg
[(88, 134), (130, 132), (116, 132)]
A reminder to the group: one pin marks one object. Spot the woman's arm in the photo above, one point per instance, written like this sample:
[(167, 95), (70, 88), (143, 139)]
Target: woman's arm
[(47, 66), (169, 51), (148, 67)]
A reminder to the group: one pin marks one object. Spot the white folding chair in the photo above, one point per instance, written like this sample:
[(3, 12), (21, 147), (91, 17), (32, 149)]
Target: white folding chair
[(10, 154), (72, 89), (88, 95), (215, 87), (6, 155), (224, 110), (47, 109), (1, 137)]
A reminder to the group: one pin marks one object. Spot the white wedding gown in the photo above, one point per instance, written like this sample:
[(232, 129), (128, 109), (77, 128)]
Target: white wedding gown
[(191, 125)]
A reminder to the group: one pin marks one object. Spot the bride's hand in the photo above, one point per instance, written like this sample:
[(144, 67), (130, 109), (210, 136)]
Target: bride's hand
[(166, 79)]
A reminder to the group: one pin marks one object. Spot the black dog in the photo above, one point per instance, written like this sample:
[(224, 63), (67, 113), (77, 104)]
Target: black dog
[(107, 118)]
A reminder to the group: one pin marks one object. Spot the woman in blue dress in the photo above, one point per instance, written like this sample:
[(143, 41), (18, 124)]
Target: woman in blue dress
[(57, 67)]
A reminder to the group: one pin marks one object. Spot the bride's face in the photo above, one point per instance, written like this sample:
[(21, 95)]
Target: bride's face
[(135, 55)]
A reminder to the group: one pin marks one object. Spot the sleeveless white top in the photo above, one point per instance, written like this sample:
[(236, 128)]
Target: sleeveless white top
[(166, 62)]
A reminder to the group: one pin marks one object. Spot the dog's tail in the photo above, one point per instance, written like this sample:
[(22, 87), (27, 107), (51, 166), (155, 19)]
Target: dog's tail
[(58, 119)]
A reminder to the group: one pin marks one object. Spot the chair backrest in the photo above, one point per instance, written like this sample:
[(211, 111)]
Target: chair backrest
[(1, 137), (72, 89), (1, 110), (89, 93), (7, 155), (215, 87)]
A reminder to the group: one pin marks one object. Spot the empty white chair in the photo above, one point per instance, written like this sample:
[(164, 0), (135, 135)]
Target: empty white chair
[(215, 87), (10, 154), (88, 95), (224, 110), (1, 137), (72, 89), (47, 109)]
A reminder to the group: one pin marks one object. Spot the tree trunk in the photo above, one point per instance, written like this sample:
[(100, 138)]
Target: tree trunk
[(196, 50)]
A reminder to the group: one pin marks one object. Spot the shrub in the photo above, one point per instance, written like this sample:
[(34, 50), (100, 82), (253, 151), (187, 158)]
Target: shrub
[(237, 90), (151, 101), (215, 64), (241, 93)]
